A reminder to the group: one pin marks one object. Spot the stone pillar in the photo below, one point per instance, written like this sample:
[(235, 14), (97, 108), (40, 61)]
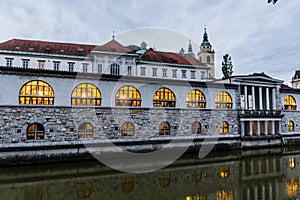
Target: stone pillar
[(273, 127), (251, 129), (253, 98), (255, 193), (258, 128), (263, 192), (260, 99), (266, 128), (274, 98), (242, 129), (246, 97), (267, 99), (270, 191), (248, 194)]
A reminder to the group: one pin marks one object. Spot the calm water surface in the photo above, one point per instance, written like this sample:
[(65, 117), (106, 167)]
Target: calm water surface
[(250, 175)]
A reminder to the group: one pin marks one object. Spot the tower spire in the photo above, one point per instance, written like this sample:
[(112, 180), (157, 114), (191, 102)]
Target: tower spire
[(190, 48), (205, 41), (113, 35)]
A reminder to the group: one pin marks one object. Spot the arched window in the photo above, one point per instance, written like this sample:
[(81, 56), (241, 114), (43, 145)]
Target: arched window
[(164, 97), (224, 127), (195, 99), (128, 96), (127, 184), (292, 163), (224, 171), (115, 69), (292, 187), (196, 128), (84, 189), (85, 130), (291, 126), (164, 179), (223, 100), (290, 103), (86, 94), (225, 194), (35, 131), (164, 128), (127, 129), (36, 92), (208, 59), (196, 175)]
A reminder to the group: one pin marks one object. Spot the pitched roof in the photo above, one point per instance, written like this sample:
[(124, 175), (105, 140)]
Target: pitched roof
[(113, 46), (193, 60), (47, 47), (163, 57), (260, 74), (297, 74)]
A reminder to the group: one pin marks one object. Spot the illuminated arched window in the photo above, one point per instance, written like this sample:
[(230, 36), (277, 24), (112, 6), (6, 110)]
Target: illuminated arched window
[(127, 183), (164, 128), (127, 129), (196, 128), (164, 97), (36, 92), (290, 103), (128, 96), (224, 127), (195, 99), (115, 69), (225, 194), (292, 187), (84, 189), (224, 171), (35, 131), (164, 179), (86, 94), (85, 130), (223, 100), (291, 126)]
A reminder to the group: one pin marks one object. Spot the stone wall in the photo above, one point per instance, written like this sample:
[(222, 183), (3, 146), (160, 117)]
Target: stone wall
[(61, 123)]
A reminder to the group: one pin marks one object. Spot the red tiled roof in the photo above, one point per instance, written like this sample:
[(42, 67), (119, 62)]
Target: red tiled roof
[(47, 47), (193, 60), (163, 57), (113, 46)]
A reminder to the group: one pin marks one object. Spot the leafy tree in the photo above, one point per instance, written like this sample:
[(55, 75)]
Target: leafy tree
[(227, 66), (272, 1)]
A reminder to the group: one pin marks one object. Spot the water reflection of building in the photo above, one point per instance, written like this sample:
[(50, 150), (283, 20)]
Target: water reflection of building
[(247, 177)]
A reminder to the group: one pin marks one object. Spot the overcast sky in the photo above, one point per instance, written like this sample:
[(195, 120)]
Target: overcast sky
[(260, 37)]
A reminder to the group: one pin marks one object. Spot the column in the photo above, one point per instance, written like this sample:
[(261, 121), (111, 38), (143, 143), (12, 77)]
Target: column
[(273, 128), (242, 129), (270, 191), (263, 191), (255, 193), (248, 194), (266, 128), (260, 99), (267, 99), (246, 97), (274, 98), (258, 127), (251, 129), (251, 168), (253, 98)]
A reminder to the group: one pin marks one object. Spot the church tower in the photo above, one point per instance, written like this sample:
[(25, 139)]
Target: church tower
[(207, 55)]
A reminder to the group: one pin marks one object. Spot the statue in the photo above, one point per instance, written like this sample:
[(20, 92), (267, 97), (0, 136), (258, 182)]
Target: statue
[(227, 66)]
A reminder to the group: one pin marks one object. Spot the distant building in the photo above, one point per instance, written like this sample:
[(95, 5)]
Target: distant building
[(296, 80)]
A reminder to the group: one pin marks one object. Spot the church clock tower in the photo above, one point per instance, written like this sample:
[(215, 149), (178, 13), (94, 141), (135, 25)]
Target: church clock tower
[(207, 55)]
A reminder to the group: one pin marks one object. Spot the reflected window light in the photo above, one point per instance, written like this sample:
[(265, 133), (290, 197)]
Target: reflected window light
[(292, 187), (224, 171), (292, 163), (86, 94), (196, 175), (196, 197), (127, 184), (84, 189), (33, 193), (225, 195)]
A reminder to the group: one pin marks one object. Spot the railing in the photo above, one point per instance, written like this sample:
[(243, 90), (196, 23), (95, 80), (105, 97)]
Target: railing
[(260, 114)]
